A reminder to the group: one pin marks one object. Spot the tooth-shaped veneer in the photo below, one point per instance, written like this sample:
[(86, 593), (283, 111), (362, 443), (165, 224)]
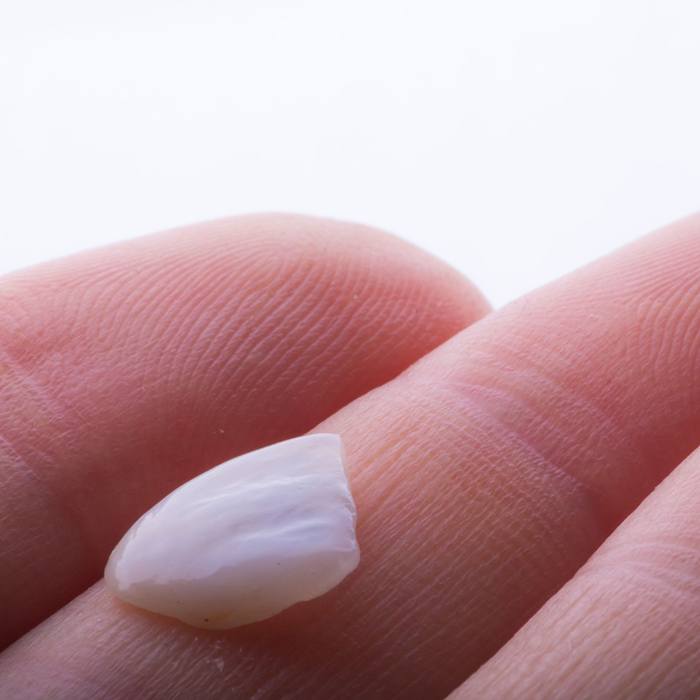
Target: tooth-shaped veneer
[(244, 540)]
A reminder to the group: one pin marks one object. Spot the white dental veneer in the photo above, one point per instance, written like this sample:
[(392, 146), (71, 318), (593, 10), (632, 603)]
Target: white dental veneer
[(244, 540)]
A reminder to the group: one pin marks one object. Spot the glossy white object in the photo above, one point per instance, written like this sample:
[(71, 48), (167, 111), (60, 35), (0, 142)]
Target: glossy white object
[(244, 540)]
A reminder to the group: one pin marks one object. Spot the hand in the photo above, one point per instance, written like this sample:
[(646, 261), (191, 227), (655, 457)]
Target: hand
[(484, 476)]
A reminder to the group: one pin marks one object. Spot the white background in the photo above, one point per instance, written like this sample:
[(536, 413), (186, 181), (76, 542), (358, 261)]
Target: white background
[(517, 140)]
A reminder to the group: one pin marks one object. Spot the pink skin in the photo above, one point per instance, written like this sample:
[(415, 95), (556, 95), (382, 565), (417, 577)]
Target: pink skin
[(484, 476), (628, 624), (126, 371)]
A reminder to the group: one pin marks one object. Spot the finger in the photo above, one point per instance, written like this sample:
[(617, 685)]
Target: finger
[(628, 624), (125, 371), (484, 476)]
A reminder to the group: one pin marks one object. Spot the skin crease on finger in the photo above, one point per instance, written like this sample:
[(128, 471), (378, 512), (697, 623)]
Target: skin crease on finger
[(484, 476), (628, 624), (128, 370)]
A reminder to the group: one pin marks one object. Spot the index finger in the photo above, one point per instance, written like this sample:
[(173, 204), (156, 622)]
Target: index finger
[(125, 371)]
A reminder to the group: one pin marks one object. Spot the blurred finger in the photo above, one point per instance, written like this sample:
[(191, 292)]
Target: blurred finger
[(628, 624)]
